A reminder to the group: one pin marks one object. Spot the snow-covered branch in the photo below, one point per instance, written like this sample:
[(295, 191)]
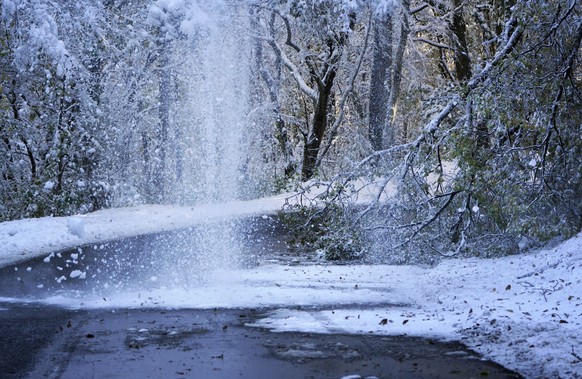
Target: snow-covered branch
[(433, 43), (305, 88), (499, 56)]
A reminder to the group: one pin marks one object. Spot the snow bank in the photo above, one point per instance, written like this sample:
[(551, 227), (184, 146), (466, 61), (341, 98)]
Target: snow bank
[(522, 311), (21, 240), (29, 238)]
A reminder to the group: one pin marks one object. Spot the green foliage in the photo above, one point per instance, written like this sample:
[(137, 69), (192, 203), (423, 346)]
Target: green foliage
[(323, 230)]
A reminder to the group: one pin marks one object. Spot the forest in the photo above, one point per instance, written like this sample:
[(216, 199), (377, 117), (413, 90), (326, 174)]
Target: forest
[(461, 118)]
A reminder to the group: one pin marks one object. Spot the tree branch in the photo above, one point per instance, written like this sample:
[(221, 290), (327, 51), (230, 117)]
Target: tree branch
[(305, 88), (433, 43), (288, 41), (418, 9), (451, 197), (499, 56)]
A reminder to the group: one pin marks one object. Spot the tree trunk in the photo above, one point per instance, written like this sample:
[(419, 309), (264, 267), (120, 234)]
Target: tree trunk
[(397, 75), (273, 83), (320, 121), (461, 57), (380, 81)]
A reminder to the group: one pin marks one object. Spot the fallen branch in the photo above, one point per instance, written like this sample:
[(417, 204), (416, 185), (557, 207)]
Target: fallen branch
[(576, 355), (428, 222)]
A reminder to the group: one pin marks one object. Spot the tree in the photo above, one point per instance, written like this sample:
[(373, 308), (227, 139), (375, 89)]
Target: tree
[(49, 109), (320, 54), (461, 52), (380, 80), (496, 158)]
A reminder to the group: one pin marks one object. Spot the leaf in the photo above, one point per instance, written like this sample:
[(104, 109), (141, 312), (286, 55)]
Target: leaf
[(384, 321), (404, 322), (508, 287)]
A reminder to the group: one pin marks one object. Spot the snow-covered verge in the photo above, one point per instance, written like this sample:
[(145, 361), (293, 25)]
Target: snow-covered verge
[(25, 239), (21, 240), (523, 311)]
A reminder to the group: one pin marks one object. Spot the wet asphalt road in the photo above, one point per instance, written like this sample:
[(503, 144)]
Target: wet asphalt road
[(40, 341), (48, 342)]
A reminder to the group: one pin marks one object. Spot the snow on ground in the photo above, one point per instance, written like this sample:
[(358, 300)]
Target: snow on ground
[(522, 311), (21, 240)]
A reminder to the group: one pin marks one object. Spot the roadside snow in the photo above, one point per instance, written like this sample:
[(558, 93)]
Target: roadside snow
[(21, 240), (522, 311)]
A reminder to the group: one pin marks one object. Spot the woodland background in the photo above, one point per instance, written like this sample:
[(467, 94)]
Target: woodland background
[(468, 112)]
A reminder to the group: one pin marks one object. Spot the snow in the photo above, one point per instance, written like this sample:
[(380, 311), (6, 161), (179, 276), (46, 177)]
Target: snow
[(383, 7), (8, 9), (194, 18), (523, 311), (29, 238), (76, 226), (77, 274), (49, 185)]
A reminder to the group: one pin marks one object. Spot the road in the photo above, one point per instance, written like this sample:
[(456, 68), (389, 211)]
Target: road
[(49, 342)]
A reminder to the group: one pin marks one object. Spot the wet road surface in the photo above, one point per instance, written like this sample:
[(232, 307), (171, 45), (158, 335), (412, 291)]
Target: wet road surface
[(48, 342), (42, 341)]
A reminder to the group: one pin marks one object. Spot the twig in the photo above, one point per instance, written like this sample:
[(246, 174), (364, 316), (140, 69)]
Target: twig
[(432, 219), (433, 43)]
